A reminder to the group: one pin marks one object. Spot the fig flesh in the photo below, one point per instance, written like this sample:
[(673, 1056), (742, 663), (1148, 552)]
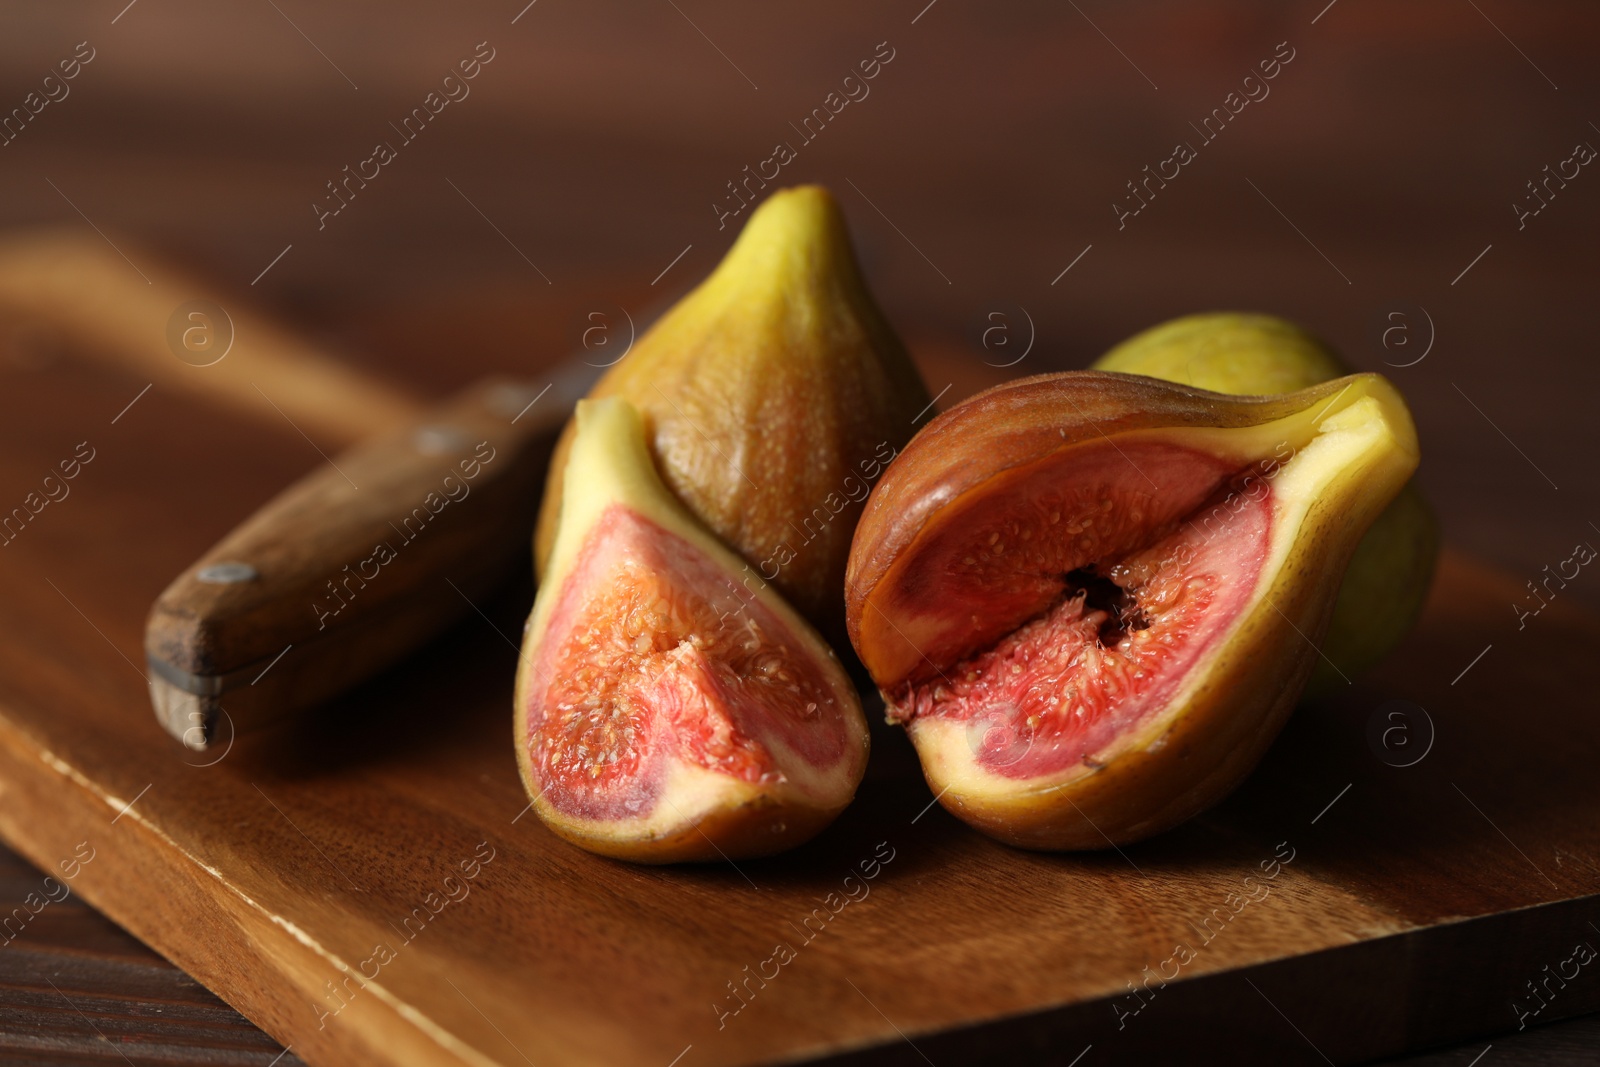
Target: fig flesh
[(1093, 598), (773, 394), (1392, 569), (667, 709)]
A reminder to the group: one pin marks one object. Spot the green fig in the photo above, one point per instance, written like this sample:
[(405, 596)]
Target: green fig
[(773, 395), (1251, 354), (1227, 352)]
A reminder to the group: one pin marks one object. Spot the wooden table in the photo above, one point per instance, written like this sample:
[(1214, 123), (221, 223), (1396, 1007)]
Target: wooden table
[(1377, 179)]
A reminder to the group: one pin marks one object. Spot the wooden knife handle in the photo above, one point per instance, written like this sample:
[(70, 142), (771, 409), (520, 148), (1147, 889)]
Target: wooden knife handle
[(358, 562)]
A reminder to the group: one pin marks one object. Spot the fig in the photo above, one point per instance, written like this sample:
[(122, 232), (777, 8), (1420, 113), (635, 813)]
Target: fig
[(667, 708), (1392, 569), (1093, 598), (1227, 352), (773, 394), (1383, 591)]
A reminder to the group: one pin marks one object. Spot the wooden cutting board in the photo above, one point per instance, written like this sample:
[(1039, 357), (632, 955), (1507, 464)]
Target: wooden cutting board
[(365, 886)]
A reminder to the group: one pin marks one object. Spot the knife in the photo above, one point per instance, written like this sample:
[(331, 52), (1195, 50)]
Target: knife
[(356, 564)]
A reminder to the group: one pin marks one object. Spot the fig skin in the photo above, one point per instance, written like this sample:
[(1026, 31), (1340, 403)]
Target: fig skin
[(1237, 696), (773, 395), (1232, 352), (1391, 572), (702, 815)]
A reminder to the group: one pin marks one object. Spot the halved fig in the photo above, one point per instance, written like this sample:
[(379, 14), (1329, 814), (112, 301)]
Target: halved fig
[(1093, 599), (670, 707)]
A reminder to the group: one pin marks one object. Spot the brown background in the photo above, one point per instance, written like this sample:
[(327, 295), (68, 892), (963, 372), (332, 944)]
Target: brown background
[(996, 141)]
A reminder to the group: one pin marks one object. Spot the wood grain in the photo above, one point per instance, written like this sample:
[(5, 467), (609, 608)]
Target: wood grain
[(277, 873)]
